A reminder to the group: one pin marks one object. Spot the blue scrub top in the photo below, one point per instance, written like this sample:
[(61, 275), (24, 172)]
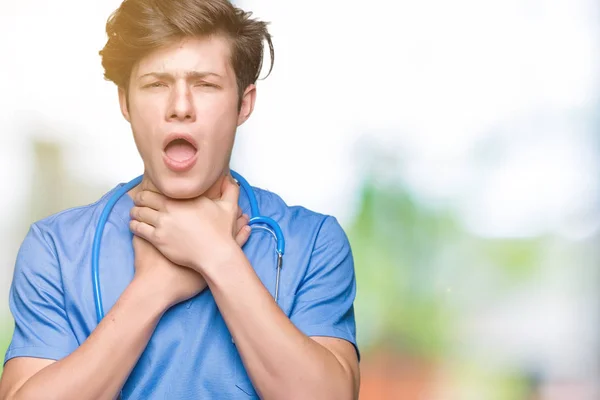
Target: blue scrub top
[(191, 354)]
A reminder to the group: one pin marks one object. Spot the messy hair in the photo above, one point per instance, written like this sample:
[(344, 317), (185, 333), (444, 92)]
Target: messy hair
[(138, 27)]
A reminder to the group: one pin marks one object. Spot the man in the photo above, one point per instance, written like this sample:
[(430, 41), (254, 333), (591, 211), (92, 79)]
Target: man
[(189, 292)]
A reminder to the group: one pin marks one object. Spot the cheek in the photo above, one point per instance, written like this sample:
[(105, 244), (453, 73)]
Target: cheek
[(218, 114), (217, 140), (217, 127), (144, 118)]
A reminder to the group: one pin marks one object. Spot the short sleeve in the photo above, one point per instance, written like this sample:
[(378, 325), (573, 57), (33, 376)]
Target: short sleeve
[(37, 303), (324, 302)]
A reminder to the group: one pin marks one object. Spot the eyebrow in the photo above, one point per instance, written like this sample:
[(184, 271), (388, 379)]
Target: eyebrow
[(188, 75)]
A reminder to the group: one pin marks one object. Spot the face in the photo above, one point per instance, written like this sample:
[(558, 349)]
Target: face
[(184, 111)]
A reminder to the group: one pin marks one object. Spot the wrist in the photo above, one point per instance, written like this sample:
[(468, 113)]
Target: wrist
[(217, 256), (149, 294), (220, 259)]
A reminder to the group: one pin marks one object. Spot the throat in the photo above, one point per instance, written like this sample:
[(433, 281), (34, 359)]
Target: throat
[(146, 184)]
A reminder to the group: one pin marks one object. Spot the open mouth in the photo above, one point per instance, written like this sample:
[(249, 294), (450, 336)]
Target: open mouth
[(180, 150)]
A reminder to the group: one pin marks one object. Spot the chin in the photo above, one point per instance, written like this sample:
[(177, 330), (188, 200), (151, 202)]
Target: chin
[(181, 188)]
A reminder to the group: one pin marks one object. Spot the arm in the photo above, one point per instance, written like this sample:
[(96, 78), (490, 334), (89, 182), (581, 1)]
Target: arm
[(280, 359), (313, 354), (100, 366)]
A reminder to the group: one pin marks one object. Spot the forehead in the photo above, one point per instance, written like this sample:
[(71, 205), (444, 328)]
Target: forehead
[(205, 54)]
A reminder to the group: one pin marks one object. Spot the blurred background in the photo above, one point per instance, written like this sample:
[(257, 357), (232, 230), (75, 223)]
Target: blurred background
[(457, 143)]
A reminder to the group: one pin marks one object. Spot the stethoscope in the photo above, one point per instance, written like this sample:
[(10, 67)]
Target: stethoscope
[(255, 219)]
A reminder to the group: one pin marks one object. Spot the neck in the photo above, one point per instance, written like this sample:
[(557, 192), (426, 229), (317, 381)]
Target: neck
[(213, 192)]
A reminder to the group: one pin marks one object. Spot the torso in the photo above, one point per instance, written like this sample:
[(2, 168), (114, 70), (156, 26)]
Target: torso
[(191, 354)]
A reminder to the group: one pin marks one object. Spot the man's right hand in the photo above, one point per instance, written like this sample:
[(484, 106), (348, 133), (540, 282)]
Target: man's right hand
[(171, 282)]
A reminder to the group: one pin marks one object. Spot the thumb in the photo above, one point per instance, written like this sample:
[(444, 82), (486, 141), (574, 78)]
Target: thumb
[(230, 190)]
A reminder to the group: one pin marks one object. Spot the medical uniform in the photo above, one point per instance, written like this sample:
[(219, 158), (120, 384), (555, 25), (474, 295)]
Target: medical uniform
[(191, 354)]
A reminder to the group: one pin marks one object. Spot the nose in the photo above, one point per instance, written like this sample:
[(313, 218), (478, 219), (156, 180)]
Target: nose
[(181, 107)]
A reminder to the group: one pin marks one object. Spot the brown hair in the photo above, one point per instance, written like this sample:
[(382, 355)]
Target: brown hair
[(138, 27)]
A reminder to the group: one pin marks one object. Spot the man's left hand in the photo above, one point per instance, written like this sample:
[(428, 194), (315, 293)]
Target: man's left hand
[(194, 232)]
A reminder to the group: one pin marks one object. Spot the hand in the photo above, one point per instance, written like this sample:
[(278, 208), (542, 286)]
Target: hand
[(172, 282), (194, 232), (169, 282)]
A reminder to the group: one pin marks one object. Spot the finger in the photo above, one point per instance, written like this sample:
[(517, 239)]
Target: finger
[(145, 214), (243, 235), (141, 229), (227, 179), (153, 200), (241, 222), (231, 190)]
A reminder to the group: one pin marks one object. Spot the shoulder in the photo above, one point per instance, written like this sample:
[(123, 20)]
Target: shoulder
[(72, 221), (61, 233), (51, 240), (325, 229)]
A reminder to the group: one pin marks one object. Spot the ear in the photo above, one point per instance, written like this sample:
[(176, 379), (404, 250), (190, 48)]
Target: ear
[(247, 106), (124, 103)]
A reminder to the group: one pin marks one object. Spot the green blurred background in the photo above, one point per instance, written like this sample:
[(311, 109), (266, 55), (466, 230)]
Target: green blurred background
[(457, 143)]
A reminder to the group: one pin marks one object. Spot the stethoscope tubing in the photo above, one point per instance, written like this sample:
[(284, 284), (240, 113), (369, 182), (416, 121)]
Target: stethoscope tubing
[(255, 218)]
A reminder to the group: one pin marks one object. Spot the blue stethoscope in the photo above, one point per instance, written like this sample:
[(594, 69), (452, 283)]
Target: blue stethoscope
[(255, 219)]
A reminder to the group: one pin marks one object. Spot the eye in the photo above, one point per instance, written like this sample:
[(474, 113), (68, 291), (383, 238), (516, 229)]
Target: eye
[(205, 84), (155, 85)]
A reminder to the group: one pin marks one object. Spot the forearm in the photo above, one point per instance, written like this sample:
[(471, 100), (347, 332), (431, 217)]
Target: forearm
[(280, 360), (100, 366)]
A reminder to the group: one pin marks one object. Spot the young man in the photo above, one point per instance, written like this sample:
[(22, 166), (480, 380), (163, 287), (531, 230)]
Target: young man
[(189, 292)]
